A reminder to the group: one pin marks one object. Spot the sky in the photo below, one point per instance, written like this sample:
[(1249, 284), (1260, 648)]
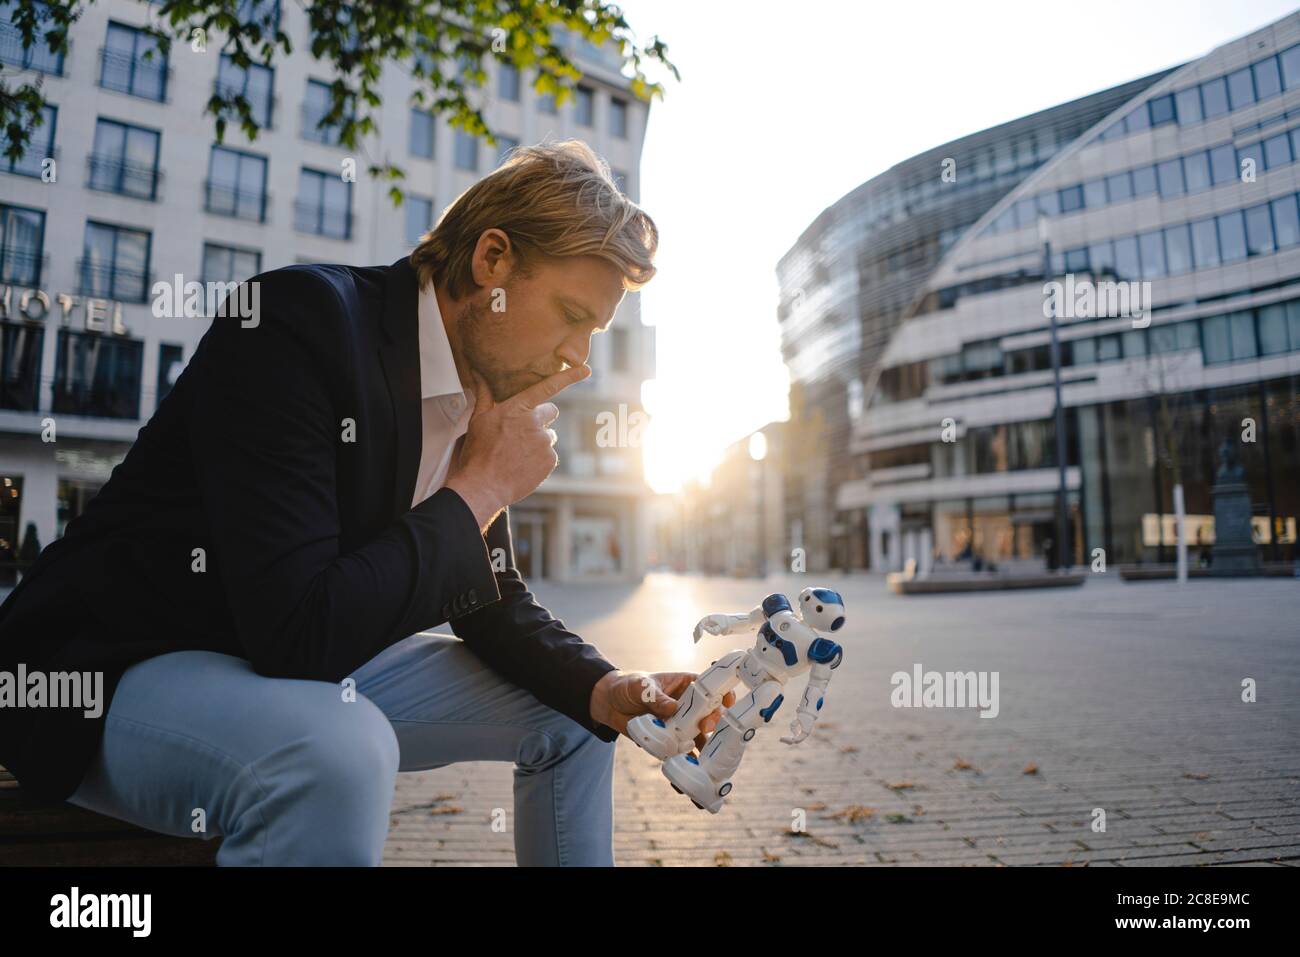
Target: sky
[(785, 107)]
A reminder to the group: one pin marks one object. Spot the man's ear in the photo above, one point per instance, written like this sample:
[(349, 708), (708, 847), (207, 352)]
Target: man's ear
[(493, 258)]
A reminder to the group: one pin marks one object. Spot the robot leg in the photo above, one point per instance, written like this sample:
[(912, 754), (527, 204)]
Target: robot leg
[(664, 739), (707, 781)]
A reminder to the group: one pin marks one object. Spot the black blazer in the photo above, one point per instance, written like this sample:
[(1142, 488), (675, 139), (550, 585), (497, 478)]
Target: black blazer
[(287, 452)]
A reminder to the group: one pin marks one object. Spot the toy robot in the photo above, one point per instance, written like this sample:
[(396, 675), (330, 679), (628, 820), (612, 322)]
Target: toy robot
[(788, 645)]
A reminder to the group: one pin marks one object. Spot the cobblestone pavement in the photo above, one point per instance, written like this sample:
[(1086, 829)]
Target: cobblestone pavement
[(1123, 697)]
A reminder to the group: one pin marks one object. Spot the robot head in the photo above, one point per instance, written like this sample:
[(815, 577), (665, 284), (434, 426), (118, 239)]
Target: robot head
[(822, 608)]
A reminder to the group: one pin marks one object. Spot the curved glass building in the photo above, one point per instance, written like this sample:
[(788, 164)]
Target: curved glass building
[(852, 276), (1166, 239)]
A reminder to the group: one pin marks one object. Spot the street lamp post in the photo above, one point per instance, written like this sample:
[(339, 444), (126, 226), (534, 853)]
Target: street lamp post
[(1062, 543), (758, 452)]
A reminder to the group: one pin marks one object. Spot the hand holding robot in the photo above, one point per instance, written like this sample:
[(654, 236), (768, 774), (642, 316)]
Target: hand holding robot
[(788, 644)]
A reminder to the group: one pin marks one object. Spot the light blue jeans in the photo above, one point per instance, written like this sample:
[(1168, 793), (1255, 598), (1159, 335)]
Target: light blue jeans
[(291, 773)]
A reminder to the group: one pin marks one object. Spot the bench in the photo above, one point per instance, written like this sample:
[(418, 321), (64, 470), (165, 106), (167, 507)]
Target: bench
[(64, 835)]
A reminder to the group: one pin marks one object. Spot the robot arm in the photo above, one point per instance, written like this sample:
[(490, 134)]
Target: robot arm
[(826, 657), (725, 624)]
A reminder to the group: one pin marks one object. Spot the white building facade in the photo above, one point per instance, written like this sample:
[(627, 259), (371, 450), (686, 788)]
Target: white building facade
[(1187, 200), (124, 185)]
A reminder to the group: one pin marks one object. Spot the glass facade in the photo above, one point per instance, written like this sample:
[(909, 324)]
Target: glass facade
[(1146, 409), (98, 375)]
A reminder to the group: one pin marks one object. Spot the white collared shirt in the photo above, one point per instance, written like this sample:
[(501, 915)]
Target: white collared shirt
[(445, 405)]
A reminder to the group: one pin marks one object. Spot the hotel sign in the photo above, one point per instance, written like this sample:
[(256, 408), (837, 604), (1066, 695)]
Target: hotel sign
[(35, 305)]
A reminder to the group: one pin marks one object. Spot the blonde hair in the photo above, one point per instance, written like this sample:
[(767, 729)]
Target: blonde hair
[(554, 199)]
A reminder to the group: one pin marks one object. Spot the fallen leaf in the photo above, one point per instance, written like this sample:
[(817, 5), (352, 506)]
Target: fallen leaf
[(1030, 768), (855, 812)]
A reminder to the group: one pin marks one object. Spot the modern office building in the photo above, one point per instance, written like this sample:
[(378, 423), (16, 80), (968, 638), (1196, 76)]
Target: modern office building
[(848, 281), (1173, 231), (124, 185)]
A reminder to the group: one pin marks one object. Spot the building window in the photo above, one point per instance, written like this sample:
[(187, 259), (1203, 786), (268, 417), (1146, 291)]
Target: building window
[(1241, 88), (1178, 249), (20, 365), (264, 13), (1169, 174), (1119, 187), (1144, 181), (115, 263), (1277, 151), (546, 103), (133, 62), (1272, 329), (1094, 193), (1214, 97), (1151, 248), (1241, 331), (38, 56), (1196, 169), (1214, 338), (421, 137), (618, 117), (1187, 105), (324, 205), (1290, 60), (236, 184), (1268, 79), (1205, 243), (97, 375), (255, 82), (1134, 342), (315, 107), (40, 146), (171, 360), (229, 263), (1285, 222), (1232, 236), (1162, 110), (1223, 164), (419, 218), (125, 160), (505, 144), (1101, 258), (1071, 199), (23, 231), (508, 82), (1259, 230), (1127, 264), (585, 106), (466, 151)]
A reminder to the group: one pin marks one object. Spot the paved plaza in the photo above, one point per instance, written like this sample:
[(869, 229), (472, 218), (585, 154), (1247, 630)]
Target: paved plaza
[(1122, 697)]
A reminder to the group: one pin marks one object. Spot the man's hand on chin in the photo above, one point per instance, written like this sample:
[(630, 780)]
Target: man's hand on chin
[(620, 696)]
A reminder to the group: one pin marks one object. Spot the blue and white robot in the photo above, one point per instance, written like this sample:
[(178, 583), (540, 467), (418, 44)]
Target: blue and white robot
[(788, 645)]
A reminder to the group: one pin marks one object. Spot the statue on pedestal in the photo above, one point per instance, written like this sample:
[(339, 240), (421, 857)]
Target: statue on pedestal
[(1234, 551)]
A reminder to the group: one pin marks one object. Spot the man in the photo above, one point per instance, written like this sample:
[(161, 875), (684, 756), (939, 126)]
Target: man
[(320, 486)]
